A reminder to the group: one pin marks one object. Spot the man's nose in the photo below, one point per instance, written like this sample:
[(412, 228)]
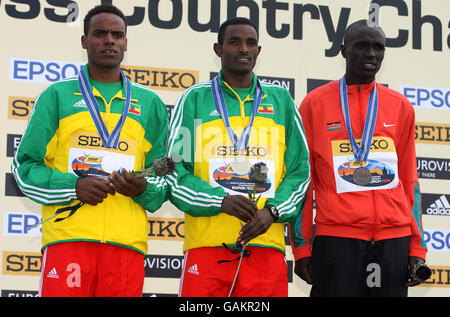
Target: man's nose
[(109, 37), (243, 48), (370, 51)]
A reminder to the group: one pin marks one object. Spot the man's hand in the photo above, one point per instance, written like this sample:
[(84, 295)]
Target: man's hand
[(303, 269), (257, 226), (412, 260), (239, 207), (127, 185), (92, 190)]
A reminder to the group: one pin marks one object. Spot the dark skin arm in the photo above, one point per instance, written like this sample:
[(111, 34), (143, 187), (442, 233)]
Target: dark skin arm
[(92, 190), (411, 261), (239, 207), (303, 269), (127, 185), (256, 226)]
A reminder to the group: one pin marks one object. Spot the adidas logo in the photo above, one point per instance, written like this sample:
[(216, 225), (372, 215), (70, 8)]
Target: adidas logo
[(81, 104), (52, 274), (194, 270), (440, 207), (214, 113)]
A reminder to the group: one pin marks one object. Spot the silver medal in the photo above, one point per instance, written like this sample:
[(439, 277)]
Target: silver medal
[(111, 163), (241, 165)]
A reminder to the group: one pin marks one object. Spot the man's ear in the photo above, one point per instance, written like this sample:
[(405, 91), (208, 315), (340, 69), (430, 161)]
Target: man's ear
[(217, 49), (84, 41), (343, 51)]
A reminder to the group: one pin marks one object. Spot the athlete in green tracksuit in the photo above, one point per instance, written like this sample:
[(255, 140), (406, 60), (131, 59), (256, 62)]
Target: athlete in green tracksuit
[(61, 145), (81, 132), (205, 172)]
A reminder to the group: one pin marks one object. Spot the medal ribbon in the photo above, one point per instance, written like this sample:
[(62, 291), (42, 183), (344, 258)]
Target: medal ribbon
[(362, 152), (109, 141), (219, 100)]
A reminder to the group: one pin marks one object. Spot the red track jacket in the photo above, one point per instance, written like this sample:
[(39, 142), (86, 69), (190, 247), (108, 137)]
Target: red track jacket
[(389, 207)]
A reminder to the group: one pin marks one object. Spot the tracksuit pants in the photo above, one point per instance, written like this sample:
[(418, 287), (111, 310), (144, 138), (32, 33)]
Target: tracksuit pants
[(352, 267)]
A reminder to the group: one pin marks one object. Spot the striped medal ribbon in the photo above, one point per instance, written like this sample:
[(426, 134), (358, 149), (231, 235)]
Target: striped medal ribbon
[(109, 140), (240, 143), (362, 175)]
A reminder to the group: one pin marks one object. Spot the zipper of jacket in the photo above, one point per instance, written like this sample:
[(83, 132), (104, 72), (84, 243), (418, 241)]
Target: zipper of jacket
[(107, 122), (374, 207), (375, 213)]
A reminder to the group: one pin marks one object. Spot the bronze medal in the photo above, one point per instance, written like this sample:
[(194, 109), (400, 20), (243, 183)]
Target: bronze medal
[(362, 176)]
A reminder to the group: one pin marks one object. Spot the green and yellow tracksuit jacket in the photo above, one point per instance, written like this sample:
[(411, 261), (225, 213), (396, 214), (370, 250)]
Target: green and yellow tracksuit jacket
[(199, 143), (61, 142)]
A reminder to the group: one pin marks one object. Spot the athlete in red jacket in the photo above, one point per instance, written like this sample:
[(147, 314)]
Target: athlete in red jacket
[(368, 213)]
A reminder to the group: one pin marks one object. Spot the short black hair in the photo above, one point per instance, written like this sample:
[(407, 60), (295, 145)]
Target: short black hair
[(108, 8), (234, 21), (364, 23)]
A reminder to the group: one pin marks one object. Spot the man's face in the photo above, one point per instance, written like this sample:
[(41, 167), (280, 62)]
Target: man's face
[(239, 50), (106, 40), (364, 53)]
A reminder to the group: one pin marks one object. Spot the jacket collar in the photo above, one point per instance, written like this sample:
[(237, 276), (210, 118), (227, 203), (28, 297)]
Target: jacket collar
[(226, 88), (361, 87), (120, 95)]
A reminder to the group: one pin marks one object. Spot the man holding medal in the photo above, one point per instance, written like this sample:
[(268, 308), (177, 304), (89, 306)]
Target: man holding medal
[(82, 138), (368, 234), (219, 130)]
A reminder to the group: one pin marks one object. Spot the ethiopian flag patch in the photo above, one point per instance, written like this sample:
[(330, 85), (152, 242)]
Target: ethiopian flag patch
[(135, 109), (265, 108)]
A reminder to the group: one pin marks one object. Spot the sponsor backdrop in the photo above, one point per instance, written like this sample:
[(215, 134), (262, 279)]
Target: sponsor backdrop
[(170, 48)]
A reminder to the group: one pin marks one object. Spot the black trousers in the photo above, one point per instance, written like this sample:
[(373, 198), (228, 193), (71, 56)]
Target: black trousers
[(351, 267)]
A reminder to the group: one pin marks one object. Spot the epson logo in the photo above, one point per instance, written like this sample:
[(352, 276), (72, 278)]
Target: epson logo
[(41, 71), (425, 97), (437, 240), (52, 71), (17, 224), (435, 204)]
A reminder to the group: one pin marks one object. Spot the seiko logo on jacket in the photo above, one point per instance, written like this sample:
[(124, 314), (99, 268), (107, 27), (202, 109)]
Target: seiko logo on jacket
[(249, 151), (94, 141), (377, 144)]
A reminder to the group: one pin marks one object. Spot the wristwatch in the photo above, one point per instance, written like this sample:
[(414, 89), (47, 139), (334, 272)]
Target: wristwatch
[(274, 212)]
